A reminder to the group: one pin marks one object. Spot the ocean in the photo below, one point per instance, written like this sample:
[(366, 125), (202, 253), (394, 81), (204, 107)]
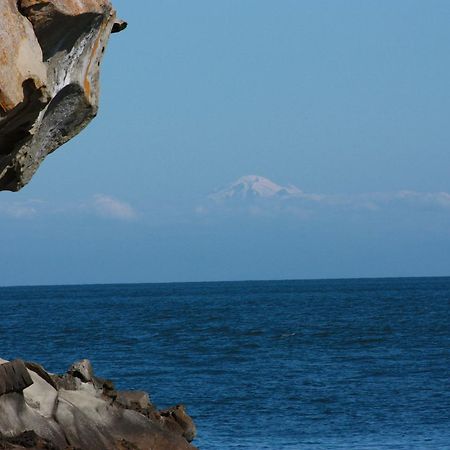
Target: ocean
[(332, 364)]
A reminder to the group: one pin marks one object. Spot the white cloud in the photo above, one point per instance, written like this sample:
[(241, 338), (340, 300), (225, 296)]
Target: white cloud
[(247, 195), (111, 207), (21, 209), (375, 201), (17, 211), (439, 199), (100, 204), (200, 210)]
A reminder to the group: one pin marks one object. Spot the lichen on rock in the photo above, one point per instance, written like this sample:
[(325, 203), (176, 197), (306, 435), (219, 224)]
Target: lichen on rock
[(50, 53)]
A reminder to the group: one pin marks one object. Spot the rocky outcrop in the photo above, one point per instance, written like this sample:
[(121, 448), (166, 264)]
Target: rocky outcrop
[(79, 411), (50, 52)]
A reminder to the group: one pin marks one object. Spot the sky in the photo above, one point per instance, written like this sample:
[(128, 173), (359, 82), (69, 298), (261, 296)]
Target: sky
[(347, 101)]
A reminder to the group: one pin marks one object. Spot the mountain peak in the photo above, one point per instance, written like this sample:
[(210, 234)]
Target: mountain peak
[(255, 186)]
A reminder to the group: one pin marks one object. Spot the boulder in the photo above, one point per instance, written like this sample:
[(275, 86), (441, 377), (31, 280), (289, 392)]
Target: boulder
[(38, 369), (84, 426), (27, 439), (16, 417), (82, 370), (41, 395), (105, 387), (14, 377), (50, 52), (80, 411), (134, 400), (177, 419)]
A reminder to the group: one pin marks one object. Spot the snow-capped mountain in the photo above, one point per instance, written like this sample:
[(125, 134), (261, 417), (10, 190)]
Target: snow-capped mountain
[(254, 186)]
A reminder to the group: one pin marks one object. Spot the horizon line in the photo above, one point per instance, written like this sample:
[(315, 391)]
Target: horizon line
[(55, 285)]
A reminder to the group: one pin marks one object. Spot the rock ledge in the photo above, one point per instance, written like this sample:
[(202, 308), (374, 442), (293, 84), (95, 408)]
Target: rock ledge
[(50, 53), (80, 411)]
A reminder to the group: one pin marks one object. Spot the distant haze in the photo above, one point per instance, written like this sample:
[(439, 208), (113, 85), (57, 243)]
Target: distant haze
[(250, 140)]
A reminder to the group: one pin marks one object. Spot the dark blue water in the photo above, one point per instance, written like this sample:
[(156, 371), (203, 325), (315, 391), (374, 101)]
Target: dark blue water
[(349, 364)]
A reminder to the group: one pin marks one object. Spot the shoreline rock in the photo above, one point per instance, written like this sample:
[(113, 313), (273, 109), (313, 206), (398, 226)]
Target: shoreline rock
[(80, 411)]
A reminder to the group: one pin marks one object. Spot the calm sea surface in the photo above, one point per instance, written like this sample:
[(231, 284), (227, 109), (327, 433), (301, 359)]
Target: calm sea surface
[(348, 364)]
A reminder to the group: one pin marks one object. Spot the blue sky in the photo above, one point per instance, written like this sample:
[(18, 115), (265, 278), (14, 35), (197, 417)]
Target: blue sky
[(346, 100)]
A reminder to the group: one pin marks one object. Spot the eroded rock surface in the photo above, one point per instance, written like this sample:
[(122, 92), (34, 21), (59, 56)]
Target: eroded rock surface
[(74, 411), (50, 52)]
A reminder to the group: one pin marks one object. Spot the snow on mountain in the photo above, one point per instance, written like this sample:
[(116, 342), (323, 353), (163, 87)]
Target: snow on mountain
[(254, 186)]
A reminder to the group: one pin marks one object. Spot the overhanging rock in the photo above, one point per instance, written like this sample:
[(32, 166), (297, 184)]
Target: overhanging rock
[(50, 52)]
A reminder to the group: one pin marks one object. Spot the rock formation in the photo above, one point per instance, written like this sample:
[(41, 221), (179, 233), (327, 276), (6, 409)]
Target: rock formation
[(50, 52), (79, 411)]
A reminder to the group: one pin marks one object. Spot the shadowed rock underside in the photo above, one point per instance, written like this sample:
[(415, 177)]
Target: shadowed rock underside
[(50, 52)]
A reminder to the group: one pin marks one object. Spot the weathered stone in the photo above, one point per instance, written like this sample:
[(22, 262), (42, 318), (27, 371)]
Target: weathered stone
[(67, 382), (16, 417), (103, 384), (78, 416), (118, 26), (20, 57), (27, 439), (38, 369), (85, 417), (50, 51), (134, 400), (145, 434), (177, 416), (102, 424), (41, 395), (14, 377), (82, 370)]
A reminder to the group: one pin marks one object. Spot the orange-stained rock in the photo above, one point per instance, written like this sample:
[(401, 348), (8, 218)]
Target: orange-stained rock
[(68, 7), (50, 52), (20, 56)]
